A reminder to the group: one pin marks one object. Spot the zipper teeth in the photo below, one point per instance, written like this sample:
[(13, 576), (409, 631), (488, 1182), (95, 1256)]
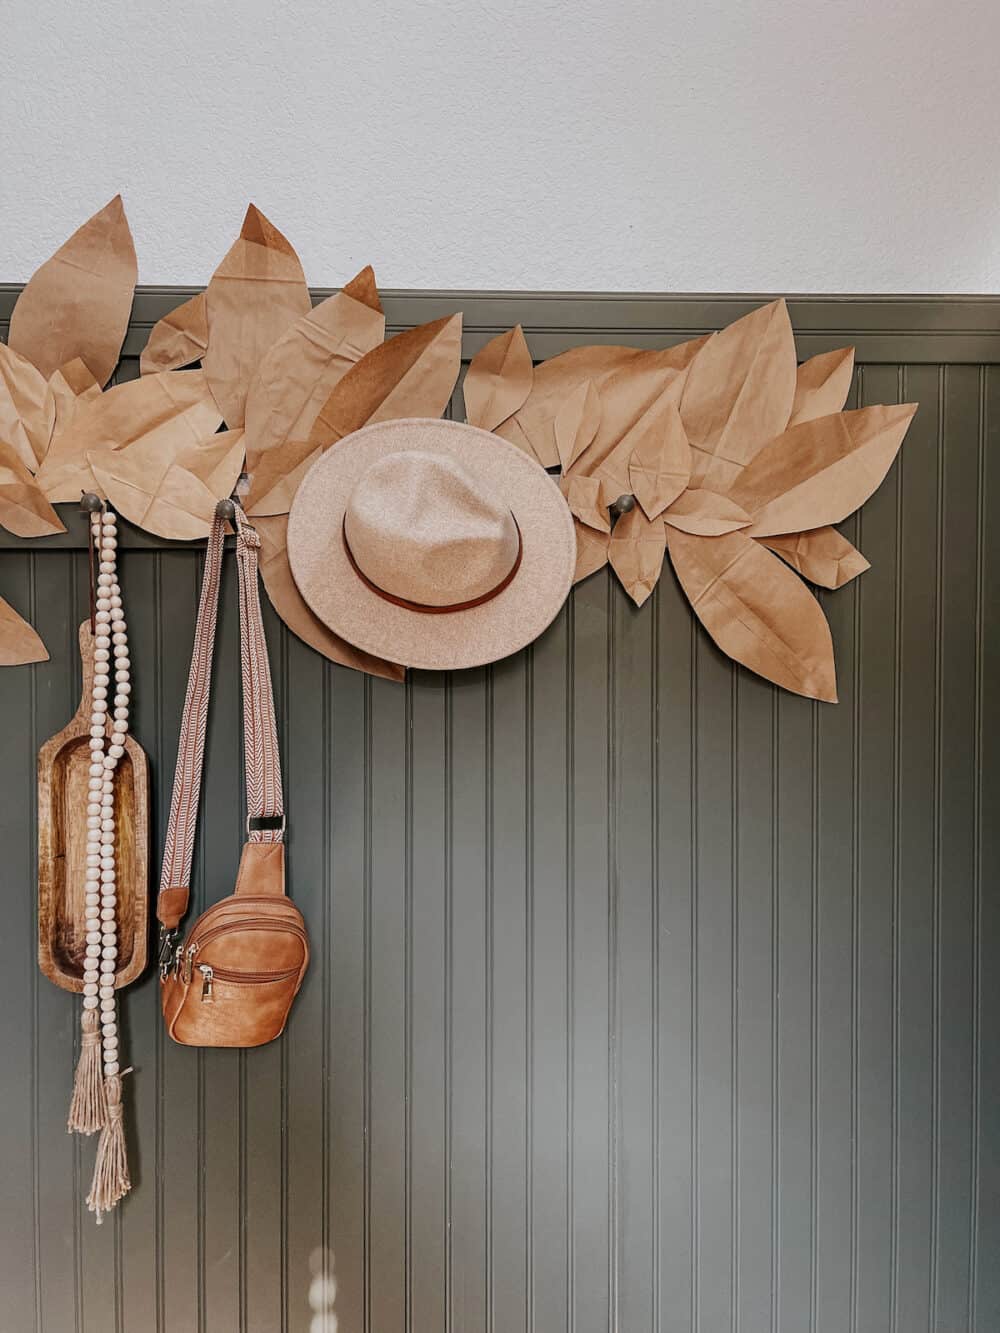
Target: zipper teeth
[(244, 925), (249, 978), (222, 903)]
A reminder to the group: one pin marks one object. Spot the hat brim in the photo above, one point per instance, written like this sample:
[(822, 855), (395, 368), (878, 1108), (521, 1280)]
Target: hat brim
[(495, 629)]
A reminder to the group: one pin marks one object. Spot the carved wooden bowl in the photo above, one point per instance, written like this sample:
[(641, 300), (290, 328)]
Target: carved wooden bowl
[(63, 764)]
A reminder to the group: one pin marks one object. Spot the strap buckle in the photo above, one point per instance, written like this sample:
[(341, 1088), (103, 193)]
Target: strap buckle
[(165, 950), (265, 824)]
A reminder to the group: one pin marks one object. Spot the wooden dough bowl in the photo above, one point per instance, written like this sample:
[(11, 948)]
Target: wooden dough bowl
[(63, 764)]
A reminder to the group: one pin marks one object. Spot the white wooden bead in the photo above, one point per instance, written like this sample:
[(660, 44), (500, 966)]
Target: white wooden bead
[(96, 745), (104, 603), (116, 751), (102, 618), (121, 700), (123, 689), (120, 635), (90, 1002), (106, 992), (90, 975), (97, 731), (107, 783), (109, 764), (110, 1067), (103, 640), (107, 566), (94, 821), (115, 600), (109, 953), (122, 674), (102, 654), (107, 1006), (109, 937), (90, 900), (107, 913), (93, 951), (101, 680), (104, 580), (121, 714), (90, 988), (98, 709), (110, 1042)]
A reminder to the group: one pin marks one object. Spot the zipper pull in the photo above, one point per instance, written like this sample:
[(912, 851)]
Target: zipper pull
[(207, 976), (178, 960), (189, 962)]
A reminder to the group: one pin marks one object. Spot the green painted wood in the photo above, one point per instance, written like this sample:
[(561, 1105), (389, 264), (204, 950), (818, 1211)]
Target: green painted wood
[(643, 996)]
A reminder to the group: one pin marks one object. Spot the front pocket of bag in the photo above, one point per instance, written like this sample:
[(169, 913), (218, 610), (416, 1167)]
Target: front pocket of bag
[(223, 1007)]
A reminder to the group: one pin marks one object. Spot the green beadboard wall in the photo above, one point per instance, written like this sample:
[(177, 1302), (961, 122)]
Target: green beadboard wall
[(643, 996)]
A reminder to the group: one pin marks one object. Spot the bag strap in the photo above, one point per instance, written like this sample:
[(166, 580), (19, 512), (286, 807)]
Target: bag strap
[(265, 807)]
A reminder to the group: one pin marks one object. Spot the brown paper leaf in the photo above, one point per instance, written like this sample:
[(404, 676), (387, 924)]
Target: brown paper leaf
[(498, 380), (822, 556), (738, 394), (276, 477), (591, 550), (24, 510), (19, 643), (706, 514), (757, 611), (627, 379), (172, 409), (78, 303), (660, 463), (298, 374), (287, 601), (575, 424), (821, 471), (171, 494), (636, 553), (583, 495), (255, 293), (68, 387), (178, 339), (822, 385), (27, 412)]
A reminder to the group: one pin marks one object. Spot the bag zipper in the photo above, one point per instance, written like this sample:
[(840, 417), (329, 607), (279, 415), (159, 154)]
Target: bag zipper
[(209, 973), (184, 958)]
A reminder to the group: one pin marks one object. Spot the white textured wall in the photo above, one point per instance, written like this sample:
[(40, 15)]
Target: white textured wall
[(794, 145)]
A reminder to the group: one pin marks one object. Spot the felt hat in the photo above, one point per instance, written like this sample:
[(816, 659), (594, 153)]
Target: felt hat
[(431, 543)]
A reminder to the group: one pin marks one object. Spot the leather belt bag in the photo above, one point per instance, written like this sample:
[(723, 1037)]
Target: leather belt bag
[(232, 981)]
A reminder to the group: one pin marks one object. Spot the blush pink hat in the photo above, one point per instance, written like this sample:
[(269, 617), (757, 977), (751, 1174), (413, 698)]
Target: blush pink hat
[(431, 543)]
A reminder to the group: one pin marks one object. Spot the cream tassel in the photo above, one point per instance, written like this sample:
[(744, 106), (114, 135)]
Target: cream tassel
[(111, 1179), (88, 1109)]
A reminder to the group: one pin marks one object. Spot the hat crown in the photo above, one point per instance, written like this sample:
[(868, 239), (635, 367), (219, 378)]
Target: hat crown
[(423, 528)]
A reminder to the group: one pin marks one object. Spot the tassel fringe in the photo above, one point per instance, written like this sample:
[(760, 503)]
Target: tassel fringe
[(88, 1109), (111, 1178)]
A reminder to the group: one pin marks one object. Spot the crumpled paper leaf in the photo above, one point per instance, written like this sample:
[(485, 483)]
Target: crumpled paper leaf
[(575, 424), (583, 495), (287, 601), (821, 471), (24, 510), (171, 494), (68, 387), (757, 610), (498, 380), (706, 514), (738, 394), (822, 384), (78, 303), (171, 409), (660, 463), (27, 412), (299, 372), (636, 553), (255, 293), (178, 339), (822, 556), (19, 643), (411, 375), (591, 550), (628, 379)]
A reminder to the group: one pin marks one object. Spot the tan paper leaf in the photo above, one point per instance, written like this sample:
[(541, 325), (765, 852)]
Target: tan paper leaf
[(575, 424), (68, 387), (27, 412), (19, 643), (757, 611), (298, 374), (821, 471), (255, 293), (636, 553), (660, 463), (591, 550), (583, 495), (822, 385), (171, 409), (739, 394), (498, 380), (822, 556), (78, 303), (24, 510), (172, 495), (287, 601), (276, 477), (706, 514), (178, 339)]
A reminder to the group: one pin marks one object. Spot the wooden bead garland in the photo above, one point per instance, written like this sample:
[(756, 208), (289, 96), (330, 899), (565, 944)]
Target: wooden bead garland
[(97, 1093)]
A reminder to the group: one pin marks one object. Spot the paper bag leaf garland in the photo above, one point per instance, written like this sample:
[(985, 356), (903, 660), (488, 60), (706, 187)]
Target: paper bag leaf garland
[(71, 385), (756, 610), (255, 293), (583, 495), (822, 556), (24, 510), (288, 602), (660, 463), (169, 410), (178, 339), (498, 380), (19, 644), (636, 553), (171, 492), (298, 374), (822, 385), (706, 514), (27, 411), (575, 424), (78, 303)]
